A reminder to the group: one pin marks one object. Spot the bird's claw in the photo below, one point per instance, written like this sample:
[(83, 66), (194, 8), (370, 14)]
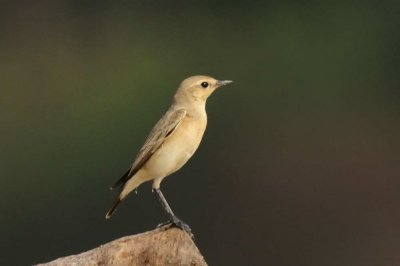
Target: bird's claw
[(176, 222)]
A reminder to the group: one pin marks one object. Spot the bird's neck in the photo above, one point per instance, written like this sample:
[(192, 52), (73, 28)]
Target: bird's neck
[(195, 109)]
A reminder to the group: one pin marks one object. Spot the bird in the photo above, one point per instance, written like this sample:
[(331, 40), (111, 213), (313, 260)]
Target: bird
[(171, 142)]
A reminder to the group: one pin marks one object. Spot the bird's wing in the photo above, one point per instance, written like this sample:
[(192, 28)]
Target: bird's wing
[(164, 128)]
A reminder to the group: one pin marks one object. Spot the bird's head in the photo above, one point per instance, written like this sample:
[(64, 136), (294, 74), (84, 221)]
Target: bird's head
[(198, 88)]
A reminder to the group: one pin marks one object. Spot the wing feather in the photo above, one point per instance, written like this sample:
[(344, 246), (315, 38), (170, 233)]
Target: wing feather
[(164, 128)]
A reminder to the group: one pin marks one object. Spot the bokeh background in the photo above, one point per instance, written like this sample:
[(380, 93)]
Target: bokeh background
[(300, 163)]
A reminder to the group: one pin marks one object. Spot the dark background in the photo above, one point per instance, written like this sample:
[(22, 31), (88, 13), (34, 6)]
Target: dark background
[(300, 163)]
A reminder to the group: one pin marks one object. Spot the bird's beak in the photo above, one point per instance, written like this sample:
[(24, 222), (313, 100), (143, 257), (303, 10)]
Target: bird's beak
[(223, 82)]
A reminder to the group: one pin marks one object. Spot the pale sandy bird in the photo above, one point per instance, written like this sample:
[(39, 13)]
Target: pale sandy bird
[(171, 142)]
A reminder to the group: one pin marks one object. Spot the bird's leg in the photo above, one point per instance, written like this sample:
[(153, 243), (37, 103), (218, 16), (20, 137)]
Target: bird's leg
[(175, 221), (164, 203)]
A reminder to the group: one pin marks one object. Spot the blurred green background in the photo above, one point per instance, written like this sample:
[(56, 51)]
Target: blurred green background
[(300, 163)]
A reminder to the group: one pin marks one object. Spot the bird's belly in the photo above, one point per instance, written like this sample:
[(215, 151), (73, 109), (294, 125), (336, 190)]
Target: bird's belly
[(176, 151), (171, 159)]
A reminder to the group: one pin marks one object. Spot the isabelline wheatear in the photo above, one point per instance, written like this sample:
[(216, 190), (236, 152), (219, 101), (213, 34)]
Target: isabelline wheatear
[(171, 142)]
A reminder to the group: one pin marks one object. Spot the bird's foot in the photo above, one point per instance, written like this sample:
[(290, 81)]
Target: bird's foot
[(176, 222), (182, 225)]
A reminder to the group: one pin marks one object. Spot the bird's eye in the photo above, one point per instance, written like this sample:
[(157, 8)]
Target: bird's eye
[(204, 84)]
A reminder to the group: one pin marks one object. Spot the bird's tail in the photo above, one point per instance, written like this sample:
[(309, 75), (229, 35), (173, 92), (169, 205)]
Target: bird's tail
[(127, 188), (113, 208)]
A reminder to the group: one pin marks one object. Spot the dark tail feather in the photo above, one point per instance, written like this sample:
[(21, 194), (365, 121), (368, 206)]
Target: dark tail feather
[(112, 209), (122, 180)]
